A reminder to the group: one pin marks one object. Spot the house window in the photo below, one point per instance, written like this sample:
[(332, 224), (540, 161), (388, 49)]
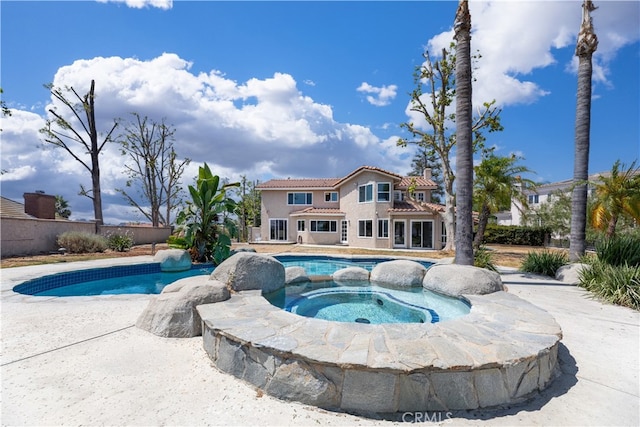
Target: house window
[(365, 193), (299, 198), (365, 228), (443, 234), (420, 196), (301, 225), (383, 228), (533, 198), (398, 195), (331, 197), (384, 191), (324, 226)]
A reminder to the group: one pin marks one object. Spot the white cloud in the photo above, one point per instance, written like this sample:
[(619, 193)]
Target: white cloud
[(261, 128), (516, 38), (383, 95), (139, 4)]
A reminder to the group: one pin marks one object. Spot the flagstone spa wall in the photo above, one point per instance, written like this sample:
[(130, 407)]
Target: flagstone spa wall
[(502, 352)]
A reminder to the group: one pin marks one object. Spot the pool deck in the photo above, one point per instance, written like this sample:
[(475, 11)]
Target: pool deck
[(81, 360)]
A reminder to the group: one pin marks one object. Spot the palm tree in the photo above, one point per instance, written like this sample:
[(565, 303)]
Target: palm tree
[(617, 195), (585, 47), (498, 180), (464, 137)]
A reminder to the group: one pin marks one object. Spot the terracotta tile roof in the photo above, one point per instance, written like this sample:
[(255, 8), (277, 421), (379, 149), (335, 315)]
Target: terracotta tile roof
[(419, 182), (11, 209), (282, 184), (411, 206), (327, 183), (318, 211), (369, 168)]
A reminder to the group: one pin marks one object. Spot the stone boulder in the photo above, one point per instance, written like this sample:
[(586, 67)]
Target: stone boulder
[(173, 260), (351, 273), (400, 272), (456, 280), (173, 313), (570, 273), (249, 271), (295, 275)]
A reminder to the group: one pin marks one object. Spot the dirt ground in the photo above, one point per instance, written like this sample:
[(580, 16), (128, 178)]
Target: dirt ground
[(504, 255)]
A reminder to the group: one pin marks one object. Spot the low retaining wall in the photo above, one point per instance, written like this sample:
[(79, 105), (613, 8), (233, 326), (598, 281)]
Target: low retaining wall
[(26, 236), (504, 350)]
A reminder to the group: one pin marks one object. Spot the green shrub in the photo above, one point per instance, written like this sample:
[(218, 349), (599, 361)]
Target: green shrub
[(76, 242), (119, 242), (177, 242), (483, 258), (619, 250), (616, 284), (516, 235), (544, 262)]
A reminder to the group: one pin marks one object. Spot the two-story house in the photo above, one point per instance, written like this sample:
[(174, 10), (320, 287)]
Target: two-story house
[(369, 208)]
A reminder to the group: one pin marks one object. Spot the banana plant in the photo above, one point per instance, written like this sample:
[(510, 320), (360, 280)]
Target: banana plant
[(206, 236)]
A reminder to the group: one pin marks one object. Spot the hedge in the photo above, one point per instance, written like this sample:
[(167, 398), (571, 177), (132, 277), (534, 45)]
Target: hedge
[(516, 235)]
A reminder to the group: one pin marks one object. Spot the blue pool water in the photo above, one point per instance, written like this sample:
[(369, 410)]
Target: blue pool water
[(362, 302), (148, 279)]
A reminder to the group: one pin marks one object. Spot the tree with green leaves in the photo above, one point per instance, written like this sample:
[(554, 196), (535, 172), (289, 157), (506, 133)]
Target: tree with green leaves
[(248, 207), (62, 208), (617, 195), (585, 47), (154, 168), (554, 214), (432, 97), (498, 181), (200, 220), (423, 160), (81, 140)]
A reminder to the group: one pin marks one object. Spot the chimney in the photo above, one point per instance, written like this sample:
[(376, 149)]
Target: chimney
[(40, 205), (427, 173)]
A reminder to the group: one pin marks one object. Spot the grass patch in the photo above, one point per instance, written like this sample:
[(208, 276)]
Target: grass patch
[(544, 262)]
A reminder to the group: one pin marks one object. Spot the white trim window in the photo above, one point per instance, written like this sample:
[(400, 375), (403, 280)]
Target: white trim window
[(384, 192), (299, 198), (301, 225), (331, 197), (398, 196), (383, 228), (365, 193), (365, 228), (534, 199), (278, 229), (323, 226)]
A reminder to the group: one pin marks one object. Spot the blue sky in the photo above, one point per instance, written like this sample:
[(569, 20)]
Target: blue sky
[(303, 89)]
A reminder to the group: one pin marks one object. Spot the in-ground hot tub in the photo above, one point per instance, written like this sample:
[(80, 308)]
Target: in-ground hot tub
[(504, 350)]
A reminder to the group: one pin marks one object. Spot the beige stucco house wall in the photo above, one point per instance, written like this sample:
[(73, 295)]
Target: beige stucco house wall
[(359, 210)]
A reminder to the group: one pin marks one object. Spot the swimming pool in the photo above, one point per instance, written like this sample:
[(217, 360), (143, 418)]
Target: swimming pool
[(148, 279)]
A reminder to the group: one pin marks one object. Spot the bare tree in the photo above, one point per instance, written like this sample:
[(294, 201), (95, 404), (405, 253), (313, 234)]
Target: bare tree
[(585, 47), (81, 140), (464, 138), (155, 168), (437, 79)]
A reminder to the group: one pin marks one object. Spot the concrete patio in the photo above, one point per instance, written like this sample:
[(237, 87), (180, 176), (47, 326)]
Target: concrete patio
[(80, 360)]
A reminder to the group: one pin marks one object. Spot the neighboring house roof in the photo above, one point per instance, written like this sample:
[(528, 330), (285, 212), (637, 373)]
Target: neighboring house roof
[(11, 209), (318, 211), (402, 182), (415, 206)]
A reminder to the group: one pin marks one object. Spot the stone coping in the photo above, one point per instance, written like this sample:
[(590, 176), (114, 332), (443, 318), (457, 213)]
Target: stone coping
[(501, 352)]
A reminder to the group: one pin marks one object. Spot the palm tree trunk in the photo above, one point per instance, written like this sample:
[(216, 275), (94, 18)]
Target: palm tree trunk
[(482, 225), (464, 151), (586, 45)]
